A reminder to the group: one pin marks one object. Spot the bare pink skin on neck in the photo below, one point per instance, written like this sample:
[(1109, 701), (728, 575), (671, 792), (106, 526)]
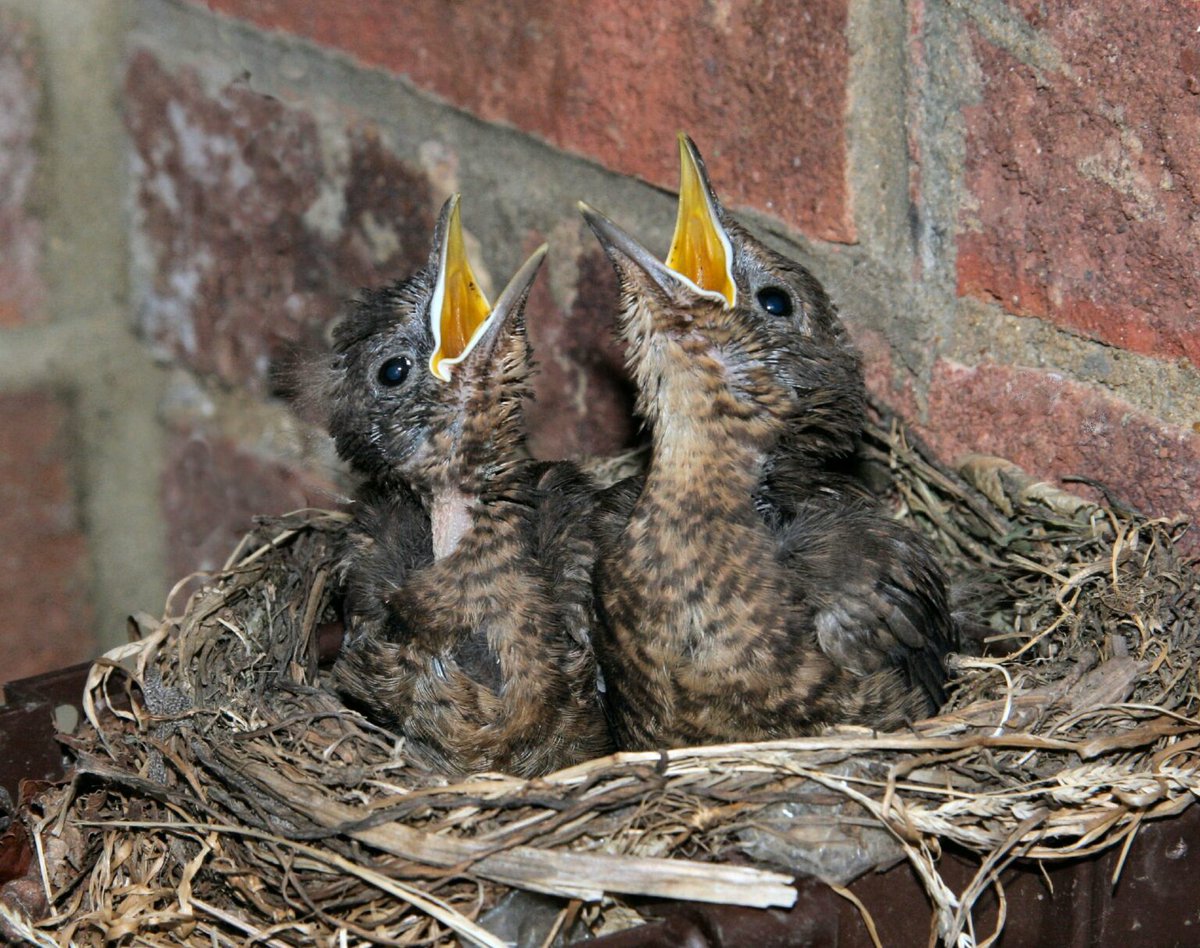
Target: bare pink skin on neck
[(450, 518)]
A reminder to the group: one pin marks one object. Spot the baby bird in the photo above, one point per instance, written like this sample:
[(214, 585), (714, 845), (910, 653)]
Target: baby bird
[(749, 588), (468, 605)]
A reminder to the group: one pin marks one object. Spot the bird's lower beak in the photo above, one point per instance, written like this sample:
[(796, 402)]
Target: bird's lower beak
[(700, 250), (511, 300), (621, 247), (458, 312)]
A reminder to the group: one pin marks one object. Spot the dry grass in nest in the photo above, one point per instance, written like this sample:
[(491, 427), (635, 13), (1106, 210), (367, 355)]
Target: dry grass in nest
[(221, 794)]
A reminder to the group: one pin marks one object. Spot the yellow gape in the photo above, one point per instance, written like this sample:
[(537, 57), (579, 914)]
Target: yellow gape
[(700, 250), (458, 312)]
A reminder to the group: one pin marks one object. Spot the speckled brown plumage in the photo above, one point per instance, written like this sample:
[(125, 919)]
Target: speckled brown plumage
[(750, 588), (468, 572)]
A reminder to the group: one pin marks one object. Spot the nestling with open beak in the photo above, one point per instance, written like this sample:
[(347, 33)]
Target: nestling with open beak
[(749, 588), (468, 572)]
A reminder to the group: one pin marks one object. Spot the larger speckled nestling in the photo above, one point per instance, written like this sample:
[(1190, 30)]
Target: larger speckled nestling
[(749, 588)]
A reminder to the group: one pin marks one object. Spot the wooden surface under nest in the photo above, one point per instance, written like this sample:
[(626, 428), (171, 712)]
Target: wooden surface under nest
[(222, 793)]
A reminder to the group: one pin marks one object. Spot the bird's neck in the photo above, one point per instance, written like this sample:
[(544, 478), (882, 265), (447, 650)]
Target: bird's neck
[(483, 480), (695, 533), (455, 513), (705, 457)]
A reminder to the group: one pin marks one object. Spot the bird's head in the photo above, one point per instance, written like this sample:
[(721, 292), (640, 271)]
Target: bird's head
[(742, 327), (427, 377)]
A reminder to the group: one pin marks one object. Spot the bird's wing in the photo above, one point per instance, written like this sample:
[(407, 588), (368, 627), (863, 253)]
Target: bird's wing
[(612, 509), (389, 537), (877, 595), (564, 545)]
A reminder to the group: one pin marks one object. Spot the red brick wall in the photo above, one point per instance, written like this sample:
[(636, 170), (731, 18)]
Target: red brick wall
[(225, 188), (1084, 176), (1082, 209), (763, 85), (44, 571), (1036, 297)]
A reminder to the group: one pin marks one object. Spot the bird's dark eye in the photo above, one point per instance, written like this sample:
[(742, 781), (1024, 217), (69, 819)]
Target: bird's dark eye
[(775, 301), (394, 371)]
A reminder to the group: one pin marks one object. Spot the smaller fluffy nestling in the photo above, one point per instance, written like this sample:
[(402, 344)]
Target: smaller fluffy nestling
[(750, 588), (468, 572)]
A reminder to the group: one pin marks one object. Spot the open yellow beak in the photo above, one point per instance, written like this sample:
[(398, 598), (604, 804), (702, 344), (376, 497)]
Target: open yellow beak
[(458, 312), (700, 250)]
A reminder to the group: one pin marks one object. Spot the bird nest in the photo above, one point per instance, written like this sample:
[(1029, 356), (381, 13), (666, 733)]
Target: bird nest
[(222, 793)]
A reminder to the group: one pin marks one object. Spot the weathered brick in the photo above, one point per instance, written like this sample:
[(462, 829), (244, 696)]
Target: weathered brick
[(46, 619), (890, 383), (1054, 427), (22, 290), (761, 86), (583, 399), (251, 233), (1085, 179), (213, 488)]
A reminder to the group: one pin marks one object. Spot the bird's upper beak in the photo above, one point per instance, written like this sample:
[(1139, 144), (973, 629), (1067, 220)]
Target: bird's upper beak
[(701, 254), (459, 314)]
